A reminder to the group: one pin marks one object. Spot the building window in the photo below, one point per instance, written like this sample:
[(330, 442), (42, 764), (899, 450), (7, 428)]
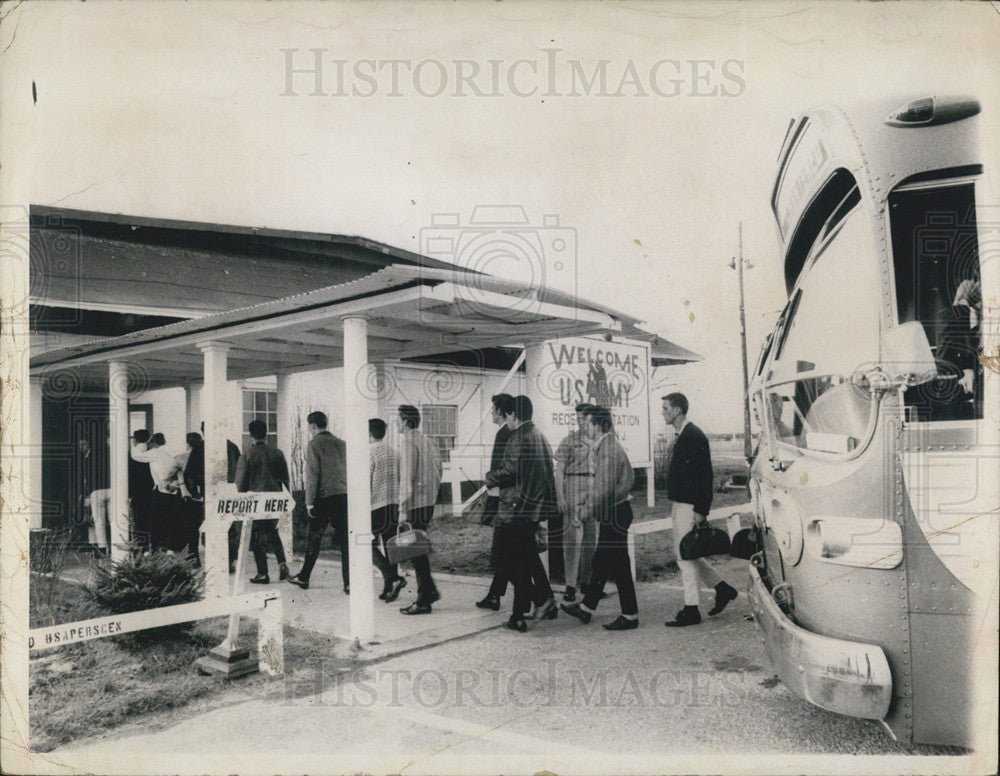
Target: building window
[(439, 422), (260, 405)]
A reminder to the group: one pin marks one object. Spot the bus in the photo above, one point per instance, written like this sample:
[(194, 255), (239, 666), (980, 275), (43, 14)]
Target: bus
[(875, 484)]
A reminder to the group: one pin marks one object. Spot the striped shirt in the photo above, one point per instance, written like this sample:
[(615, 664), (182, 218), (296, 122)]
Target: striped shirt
[(613, 474), (384, 474)]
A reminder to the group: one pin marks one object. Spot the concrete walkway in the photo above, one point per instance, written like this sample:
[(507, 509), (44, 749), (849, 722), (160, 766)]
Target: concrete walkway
[(324, 608)]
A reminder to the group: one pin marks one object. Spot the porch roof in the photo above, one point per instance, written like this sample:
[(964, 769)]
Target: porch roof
[(412, 311)]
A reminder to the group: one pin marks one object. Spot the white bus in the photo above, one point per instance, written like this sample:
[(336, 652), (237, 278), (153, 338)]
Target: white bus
[(875, 485)]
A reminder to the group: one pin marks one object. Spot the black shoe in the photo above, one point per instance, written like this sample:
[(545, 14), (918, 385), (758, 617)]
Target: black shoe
[(622, 623), (490, 602), (282, 572), (296, 579), (260, 579), (416, 608), (547, 611), (724, 593), (570, 595), (574, 610), (392, 593), (516, 623), (347, 589), (689, 615)]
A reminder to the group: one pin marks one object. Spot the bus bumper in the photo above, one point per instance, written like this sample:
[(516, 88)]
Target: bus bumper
[(847, 677)]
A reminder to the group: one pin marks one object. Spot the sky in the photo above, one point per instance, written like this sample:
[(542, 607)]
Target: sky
[(190, 111)]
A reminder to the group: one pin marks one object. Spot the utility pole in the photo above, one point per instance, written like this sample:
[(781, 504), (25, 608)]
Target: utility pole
[(738, 262)]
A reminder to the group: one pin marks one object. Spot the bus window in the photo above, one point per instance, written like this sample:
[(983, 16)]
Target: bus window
[(833, 329), (936, 257), (782, 414)]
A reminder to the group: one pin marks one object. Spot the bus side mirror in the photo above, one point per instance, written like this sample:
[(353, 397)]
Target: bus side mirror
[(908, 357)]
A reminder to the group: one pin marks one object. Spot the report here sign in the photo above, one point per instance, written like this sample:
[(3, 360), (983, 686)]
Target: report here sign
[(254, 506)]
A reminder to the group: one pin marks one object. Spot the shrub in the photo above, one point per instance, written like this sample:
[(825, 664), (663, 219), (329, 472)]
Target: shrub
[(49, 554), (148, 581)]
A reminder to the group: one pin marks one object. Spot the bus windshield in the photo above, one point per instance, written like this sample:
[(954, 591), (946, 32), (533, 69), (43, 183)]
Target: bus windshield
[(833, 328)]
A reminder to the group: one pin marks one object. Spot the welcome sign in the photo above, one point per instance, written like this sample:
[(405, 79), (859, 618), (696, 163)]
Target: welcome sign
[(612, 374)]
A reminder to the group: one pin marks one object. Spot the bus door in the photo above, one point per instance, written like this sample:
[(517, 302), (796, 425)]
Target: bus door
[(948, 484)]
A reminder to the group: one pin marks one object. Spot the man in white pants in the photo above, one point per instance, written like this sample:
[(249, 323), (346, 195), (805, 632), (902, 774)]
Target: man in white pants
[(100, 507), (689, 488)]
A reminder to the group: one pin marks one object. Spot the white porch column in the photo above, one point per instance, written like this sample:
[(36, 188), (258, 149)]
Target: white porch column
[(119, 444), (287, 425), (191, 414), (356, 413), (215, 411), (33, 471)]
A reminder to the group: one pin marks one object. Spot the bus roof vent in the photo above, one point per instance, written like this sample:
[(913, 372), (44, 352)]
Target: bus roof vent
[(933, 110)]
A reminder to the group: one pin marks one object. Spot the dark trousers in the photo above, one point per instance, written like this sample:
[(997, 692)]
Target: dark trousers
[(330, 510), (498, 587), (166, 521), (611, 561), (426, 589), (385, 523), (557, 564), (519, 562), (194, 516), (141, 504), (263, 533)]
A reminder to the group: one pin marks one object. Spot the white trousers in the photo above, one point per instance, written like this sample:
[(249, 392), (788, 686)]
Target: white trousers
[(100, 507), (693, 572)]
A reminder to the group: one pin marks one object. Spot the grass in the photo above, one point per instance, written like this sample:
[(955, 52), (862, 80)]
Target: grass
[(82, 689)]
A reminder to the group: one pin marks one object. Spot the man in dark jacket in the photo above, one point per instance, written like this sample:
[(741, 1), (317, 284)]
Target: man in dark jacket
[(503, 406), (140, 493), (689, 488), (527, 497), (263, 469)]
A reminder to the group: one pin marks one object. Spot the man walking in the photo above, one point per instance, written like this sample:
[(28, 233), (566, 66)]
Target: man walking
[(97, 495), (574, 477), (140, 492), (609, 505), (689, 488), (326, 497), (503, 406), (527, 497), (166, 521), (419, 481), (263, 469), (384, 471)]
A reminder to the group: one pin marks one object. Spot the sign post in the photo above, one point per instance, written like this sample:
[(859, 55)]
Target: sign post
[(226, 659)]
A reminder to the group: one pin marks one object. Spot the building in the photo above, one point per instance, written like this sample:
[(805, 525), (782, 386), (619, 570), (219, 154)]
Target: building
[(103, 280)]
